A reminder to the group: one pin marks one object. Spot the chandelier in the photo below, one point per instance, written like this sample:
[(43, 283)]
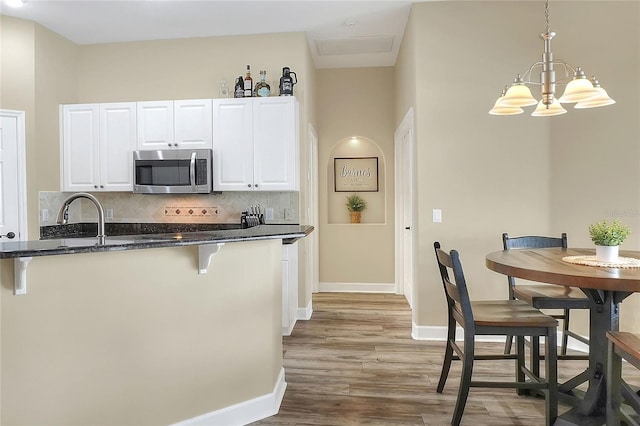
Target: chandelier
[(584, 92)]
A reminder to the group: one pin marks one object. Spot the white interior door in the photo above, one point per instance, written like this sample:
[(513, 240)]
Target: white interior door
[(403, 141), (12, 176)]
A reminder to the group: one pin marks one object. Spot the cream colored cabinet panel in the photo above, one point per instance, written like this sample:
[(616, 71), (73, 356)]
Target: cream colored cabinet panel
[(117, 142), (232, 145), (275, 144), (193, 127), (97, 145), (155, 125), (255, 144), (184, 124)]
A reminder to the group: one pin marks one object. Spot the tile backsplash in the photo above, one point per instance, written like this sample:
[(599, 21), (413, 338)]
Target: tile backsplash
[(122, 207)]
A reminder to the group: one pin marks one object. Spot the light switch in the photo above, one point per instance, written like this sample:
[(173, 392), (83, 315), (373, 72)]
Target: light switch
[(437, 215)]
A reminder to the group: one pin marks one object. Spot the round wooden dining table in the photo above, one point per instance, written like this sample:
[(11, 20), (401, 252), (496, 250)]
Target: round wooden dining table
[(605, 287)]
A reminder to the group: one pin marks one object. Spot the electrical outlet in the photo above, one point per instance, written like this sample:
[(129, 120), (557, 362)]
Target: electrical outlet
[(109, 213), (288, 214), (45, 215), (268, 213)]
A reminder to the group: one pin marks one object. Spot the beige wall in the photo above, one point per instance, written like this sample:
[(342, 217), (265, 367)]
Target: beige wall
[(139, 337), (520, 174), (38, 73), (356, 102), (590, 144)]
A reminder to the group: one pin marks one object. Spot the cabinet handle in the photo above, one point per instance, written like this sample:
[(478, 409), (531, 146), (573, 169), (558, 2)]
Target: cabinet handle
[(101, 186), (256, 185), (249, 185), (95, 186), (169, 145)]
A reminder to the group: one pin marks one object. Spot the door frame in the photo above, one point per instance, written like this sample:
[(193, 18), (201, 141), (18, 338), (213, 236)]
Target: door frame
[(312, 205), (404, 177), (22, 167)]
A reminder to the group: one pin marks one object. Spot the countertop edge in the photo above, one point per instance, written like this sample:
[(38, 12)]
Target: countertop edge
[(54, 247)]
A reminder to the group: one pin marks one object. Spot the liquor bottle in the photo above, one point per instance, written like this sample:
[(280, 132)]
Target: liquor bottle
[(238, 91), (262, 88), (248, 83)]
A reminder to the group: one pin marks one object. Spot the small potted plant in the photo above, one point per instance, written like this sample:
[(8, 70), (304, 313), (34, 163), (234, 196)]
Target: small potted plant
[(355, 205), (607, 237)]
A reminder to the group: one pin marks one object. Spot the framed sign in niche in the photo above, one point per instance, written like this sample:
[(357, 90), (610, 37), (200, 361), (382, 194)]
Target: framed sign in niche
[(356, 174)]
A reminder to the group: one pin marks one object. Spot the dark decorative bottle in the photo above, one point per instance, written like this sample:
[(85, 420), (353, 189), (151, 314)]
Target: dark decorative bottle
[(238, 91), (287, 81), (262, 88)]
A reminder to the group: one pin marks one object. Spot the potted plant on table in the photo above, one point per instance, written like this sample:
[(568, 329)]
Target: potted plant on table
[(355, 205), (608, 237)]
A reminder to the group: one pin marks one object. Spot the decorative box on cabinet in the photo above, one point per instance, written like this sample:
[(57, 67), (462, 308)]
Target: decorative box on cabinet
[(182, 124), (96, 144), (255, 144), (289, 287)]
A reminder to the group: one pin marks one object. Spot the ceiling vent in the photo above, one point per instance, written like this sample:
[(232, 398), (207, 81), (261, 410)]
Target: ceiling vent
[(354, 45)]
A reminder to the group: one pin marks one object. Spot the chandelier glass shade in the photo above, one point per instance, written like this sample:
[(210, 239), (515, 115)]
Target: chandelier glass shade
[(584, 92)]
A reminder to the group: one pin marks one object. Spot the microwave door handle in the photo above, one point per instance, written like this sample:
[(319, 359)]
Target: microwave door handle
[(192, 171)]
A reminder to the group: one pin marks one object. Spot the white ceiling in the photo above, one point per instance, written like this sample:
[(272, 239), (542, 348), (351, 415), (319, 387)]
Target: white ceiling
[(359, 33)]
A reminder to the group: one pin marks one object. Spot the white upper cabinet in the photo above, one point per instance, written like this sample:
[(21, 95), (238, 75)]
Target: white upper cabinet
[(255, 144), (182, 124), (97, 145)]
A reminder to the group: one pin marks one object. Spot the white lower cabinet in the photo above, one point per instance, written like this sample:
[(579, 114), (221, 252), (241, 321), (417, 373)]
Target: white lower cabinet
[(255, 144), (97, 145), (289, 287)]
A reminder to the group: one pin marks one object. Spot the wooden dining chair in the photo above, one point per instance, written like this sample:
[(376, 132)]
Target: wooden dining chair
[(501, 317), (621, 345), (547, 296)]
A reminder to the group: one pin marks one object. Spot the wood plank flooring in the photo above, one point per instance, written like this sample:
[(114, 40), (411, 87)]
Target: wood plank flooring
[(355, 363)]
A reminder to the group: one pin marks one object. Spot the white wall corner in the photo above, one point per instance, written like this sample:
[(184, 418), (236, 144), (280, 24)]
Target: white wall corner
[(305, 313), (245, 412)]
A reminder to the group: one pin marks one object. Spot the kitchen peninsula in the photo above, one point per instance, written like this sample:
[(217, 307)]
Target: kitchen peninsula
[(126, 331)]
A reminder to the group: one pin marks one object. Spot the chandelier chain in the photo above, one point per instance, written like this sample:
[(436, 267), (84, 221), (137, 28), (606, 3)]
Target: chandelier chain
[(546, 14)]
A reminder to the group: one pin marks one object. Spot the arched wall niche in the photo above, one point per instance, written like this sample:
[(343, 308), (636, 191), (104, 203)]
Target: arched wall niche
[(356, 147)]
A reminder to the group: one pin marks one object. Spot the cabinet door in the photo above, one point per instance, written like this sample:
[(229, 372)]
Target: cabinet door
[(275, 140), (193, 127), (80, 149), (117, 142), (232, 145), (155, 125)]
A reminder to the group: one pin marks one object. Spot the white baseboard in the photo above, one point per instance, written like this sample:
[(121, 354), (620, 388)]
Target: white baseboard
[(286, 331), (245, 412), (305, 313), (439, 333), (357, 287)]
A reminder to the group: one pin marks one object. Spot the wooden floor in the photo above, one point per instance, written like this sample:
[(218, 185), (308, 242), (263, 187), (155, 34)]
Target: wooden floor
[(355, 363)]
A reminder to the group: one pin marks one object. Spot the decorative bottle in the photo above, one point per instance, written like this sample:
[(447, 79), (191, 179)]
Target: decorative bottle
[(224, 89), (248, 83), (238, 91), (262, 88)]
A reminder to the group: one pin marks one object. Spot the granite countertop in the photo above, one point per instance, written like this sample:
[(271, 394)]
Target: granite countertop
[(81, 243)]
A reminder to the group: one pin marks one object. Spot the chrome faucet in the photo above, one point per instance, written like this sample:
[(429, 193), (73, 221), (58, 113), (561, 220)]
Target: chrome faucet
[(63, 214)]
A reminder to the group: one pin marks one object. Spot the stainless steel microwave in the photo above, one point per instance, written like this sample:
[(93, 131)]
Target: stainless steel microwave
[(172, 171)]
